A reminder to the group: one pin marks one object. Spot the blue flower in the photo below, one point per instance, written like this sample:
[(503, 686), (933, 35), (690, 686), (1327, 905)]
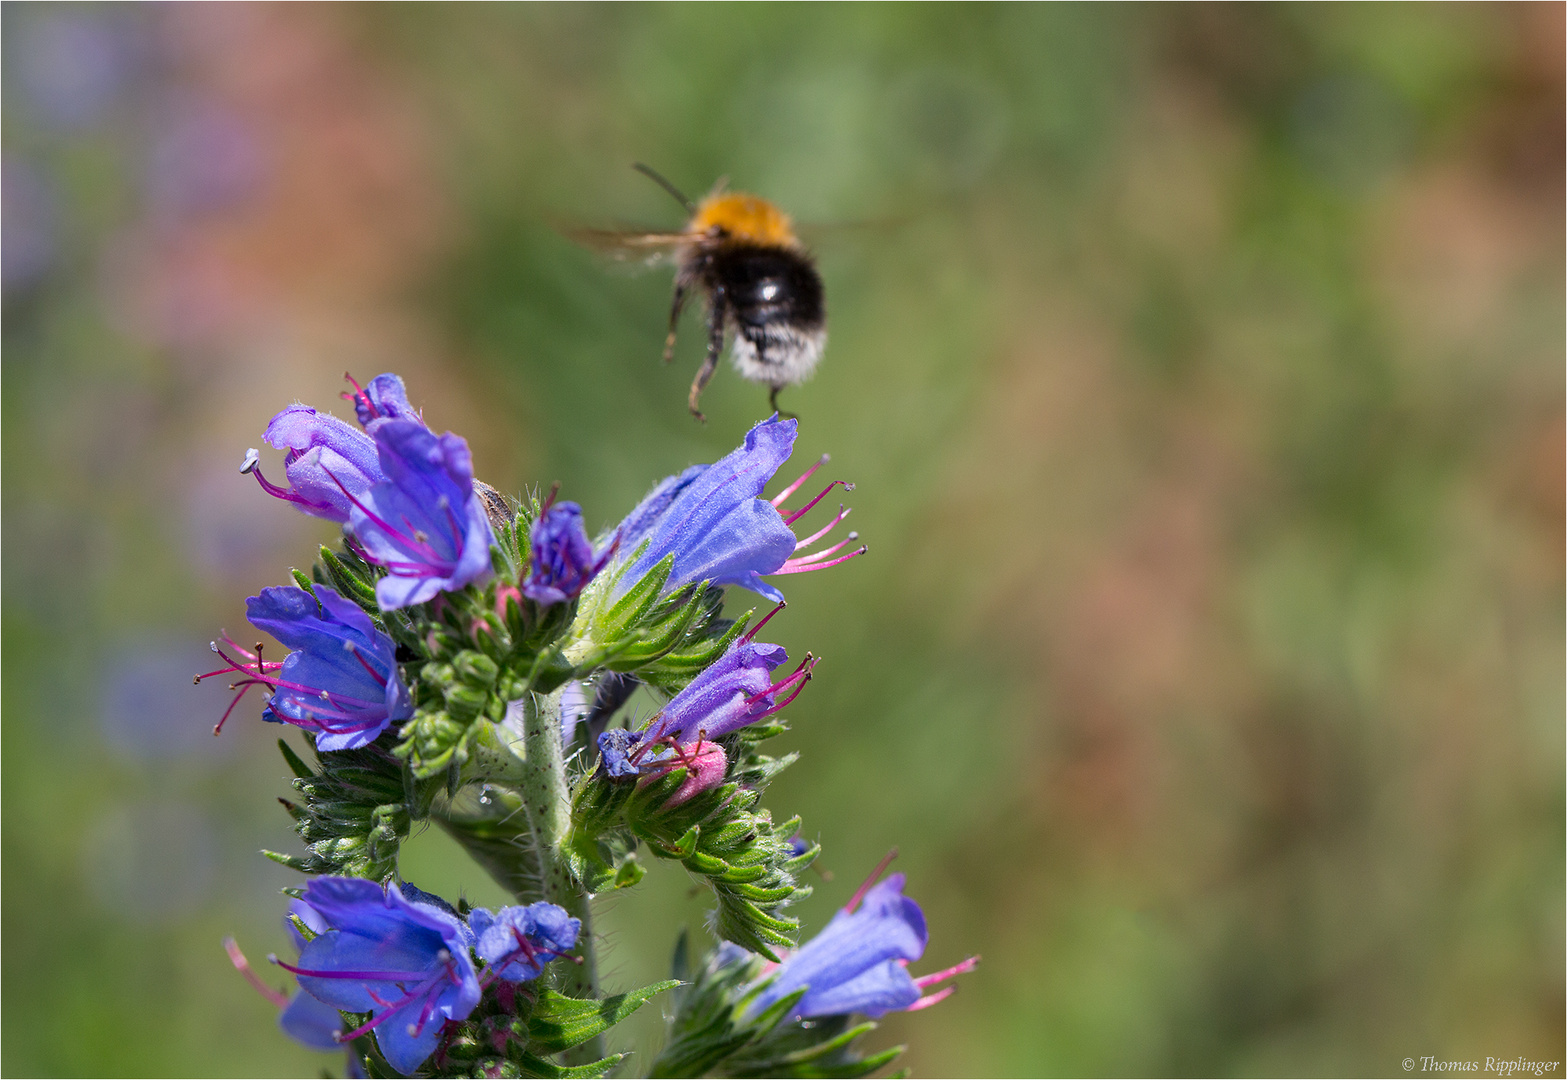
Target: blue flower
[(562, 560), (858, 964), (712, 519), (516, 942), (329, 463), (309, 1022), (341, 681), (404, 962), (425, 523), (305, 1019)]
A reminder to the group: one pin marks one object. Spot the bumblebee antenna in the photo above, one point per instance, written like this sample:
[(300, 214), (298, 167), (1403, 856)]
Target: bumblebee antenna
[(654, 176)]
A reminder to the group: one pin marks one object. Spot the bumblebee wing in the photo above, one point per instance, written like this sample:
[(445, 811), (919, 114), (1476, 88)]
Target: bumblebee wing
[(648, 248), (836, 234)]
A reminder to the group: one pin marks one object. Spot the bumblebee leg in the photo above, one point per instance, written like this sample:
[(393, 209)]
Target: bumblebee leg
[(674, 321), (772, 399), (715, 346)]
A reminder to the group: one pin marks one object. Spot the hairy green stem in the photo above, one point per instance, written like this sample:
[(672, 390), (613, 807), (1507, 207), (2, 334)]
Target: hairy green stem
[(517, 827), (547, 802)]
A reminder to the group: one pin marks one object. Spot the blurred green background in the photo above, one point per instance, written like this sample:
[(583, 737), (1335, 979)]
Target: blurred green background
[(1200, 369)]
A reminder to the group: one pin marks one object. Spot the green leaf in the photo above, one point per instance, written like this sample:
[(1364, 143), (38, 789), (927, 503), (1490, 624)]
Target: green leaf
[(353, 814), (559, 1022), (348, 582), (535, 1066)]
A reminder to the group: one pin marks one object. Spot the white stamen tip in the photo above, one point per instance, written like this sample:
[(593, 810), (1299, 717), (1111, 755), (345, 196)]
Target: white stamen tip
[(252, 459)]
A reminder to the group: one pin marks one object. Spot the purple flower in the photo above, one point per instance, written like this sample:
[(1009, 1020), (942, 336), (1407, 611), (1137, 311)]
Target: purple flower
[(329, 463), (340, 682), (858, 964), (425, 522), (382, 398), (735, 690), (714, 522), (516, 942), (404, 962), (562, 561)]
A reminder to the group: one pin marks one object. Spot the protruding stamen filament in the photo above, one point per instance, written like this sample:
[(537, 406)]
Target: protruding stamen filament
[(950, 973), (778, 500), (786, 702), (750, 634), (359, 396), (253, 467), (843, 512), (859, 894), (808, 507), (931, 999), (412, 541), (364, 976), (825, 553), (237, 958), (795, 566)]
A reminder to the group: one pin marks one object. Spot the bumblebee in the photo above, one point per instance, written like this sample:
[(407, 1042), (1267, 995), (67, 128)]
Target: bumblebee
[(761, 286)]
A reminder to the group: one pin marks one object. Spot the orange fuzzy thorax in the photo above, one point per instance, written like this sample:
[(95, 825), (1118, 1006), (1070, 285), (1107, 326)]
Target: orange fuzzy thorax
[(744, 217)]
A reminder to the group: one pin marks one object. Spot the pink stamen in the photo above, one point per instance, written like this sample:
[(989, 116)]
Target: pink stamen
[(287, 494), (774, 688), (359, 396), (952, 972), (793, 566), (818, 556), (408, 540), (859, 894), (237, 958), (931, 999), (217, 729), (778, 500), (792, 518), (843, 512), (363, 976), (751, 634), (378, 676), (786, 702)]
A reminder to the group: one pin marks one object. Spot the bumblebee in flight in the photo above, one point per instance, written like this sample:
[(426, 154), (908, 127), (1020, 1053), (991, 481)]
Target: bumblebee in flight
[(761, 286)]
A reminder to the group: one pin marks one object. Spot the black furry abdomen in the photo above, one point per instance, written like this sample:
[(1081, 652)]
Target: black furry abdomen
[(767, 287)]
